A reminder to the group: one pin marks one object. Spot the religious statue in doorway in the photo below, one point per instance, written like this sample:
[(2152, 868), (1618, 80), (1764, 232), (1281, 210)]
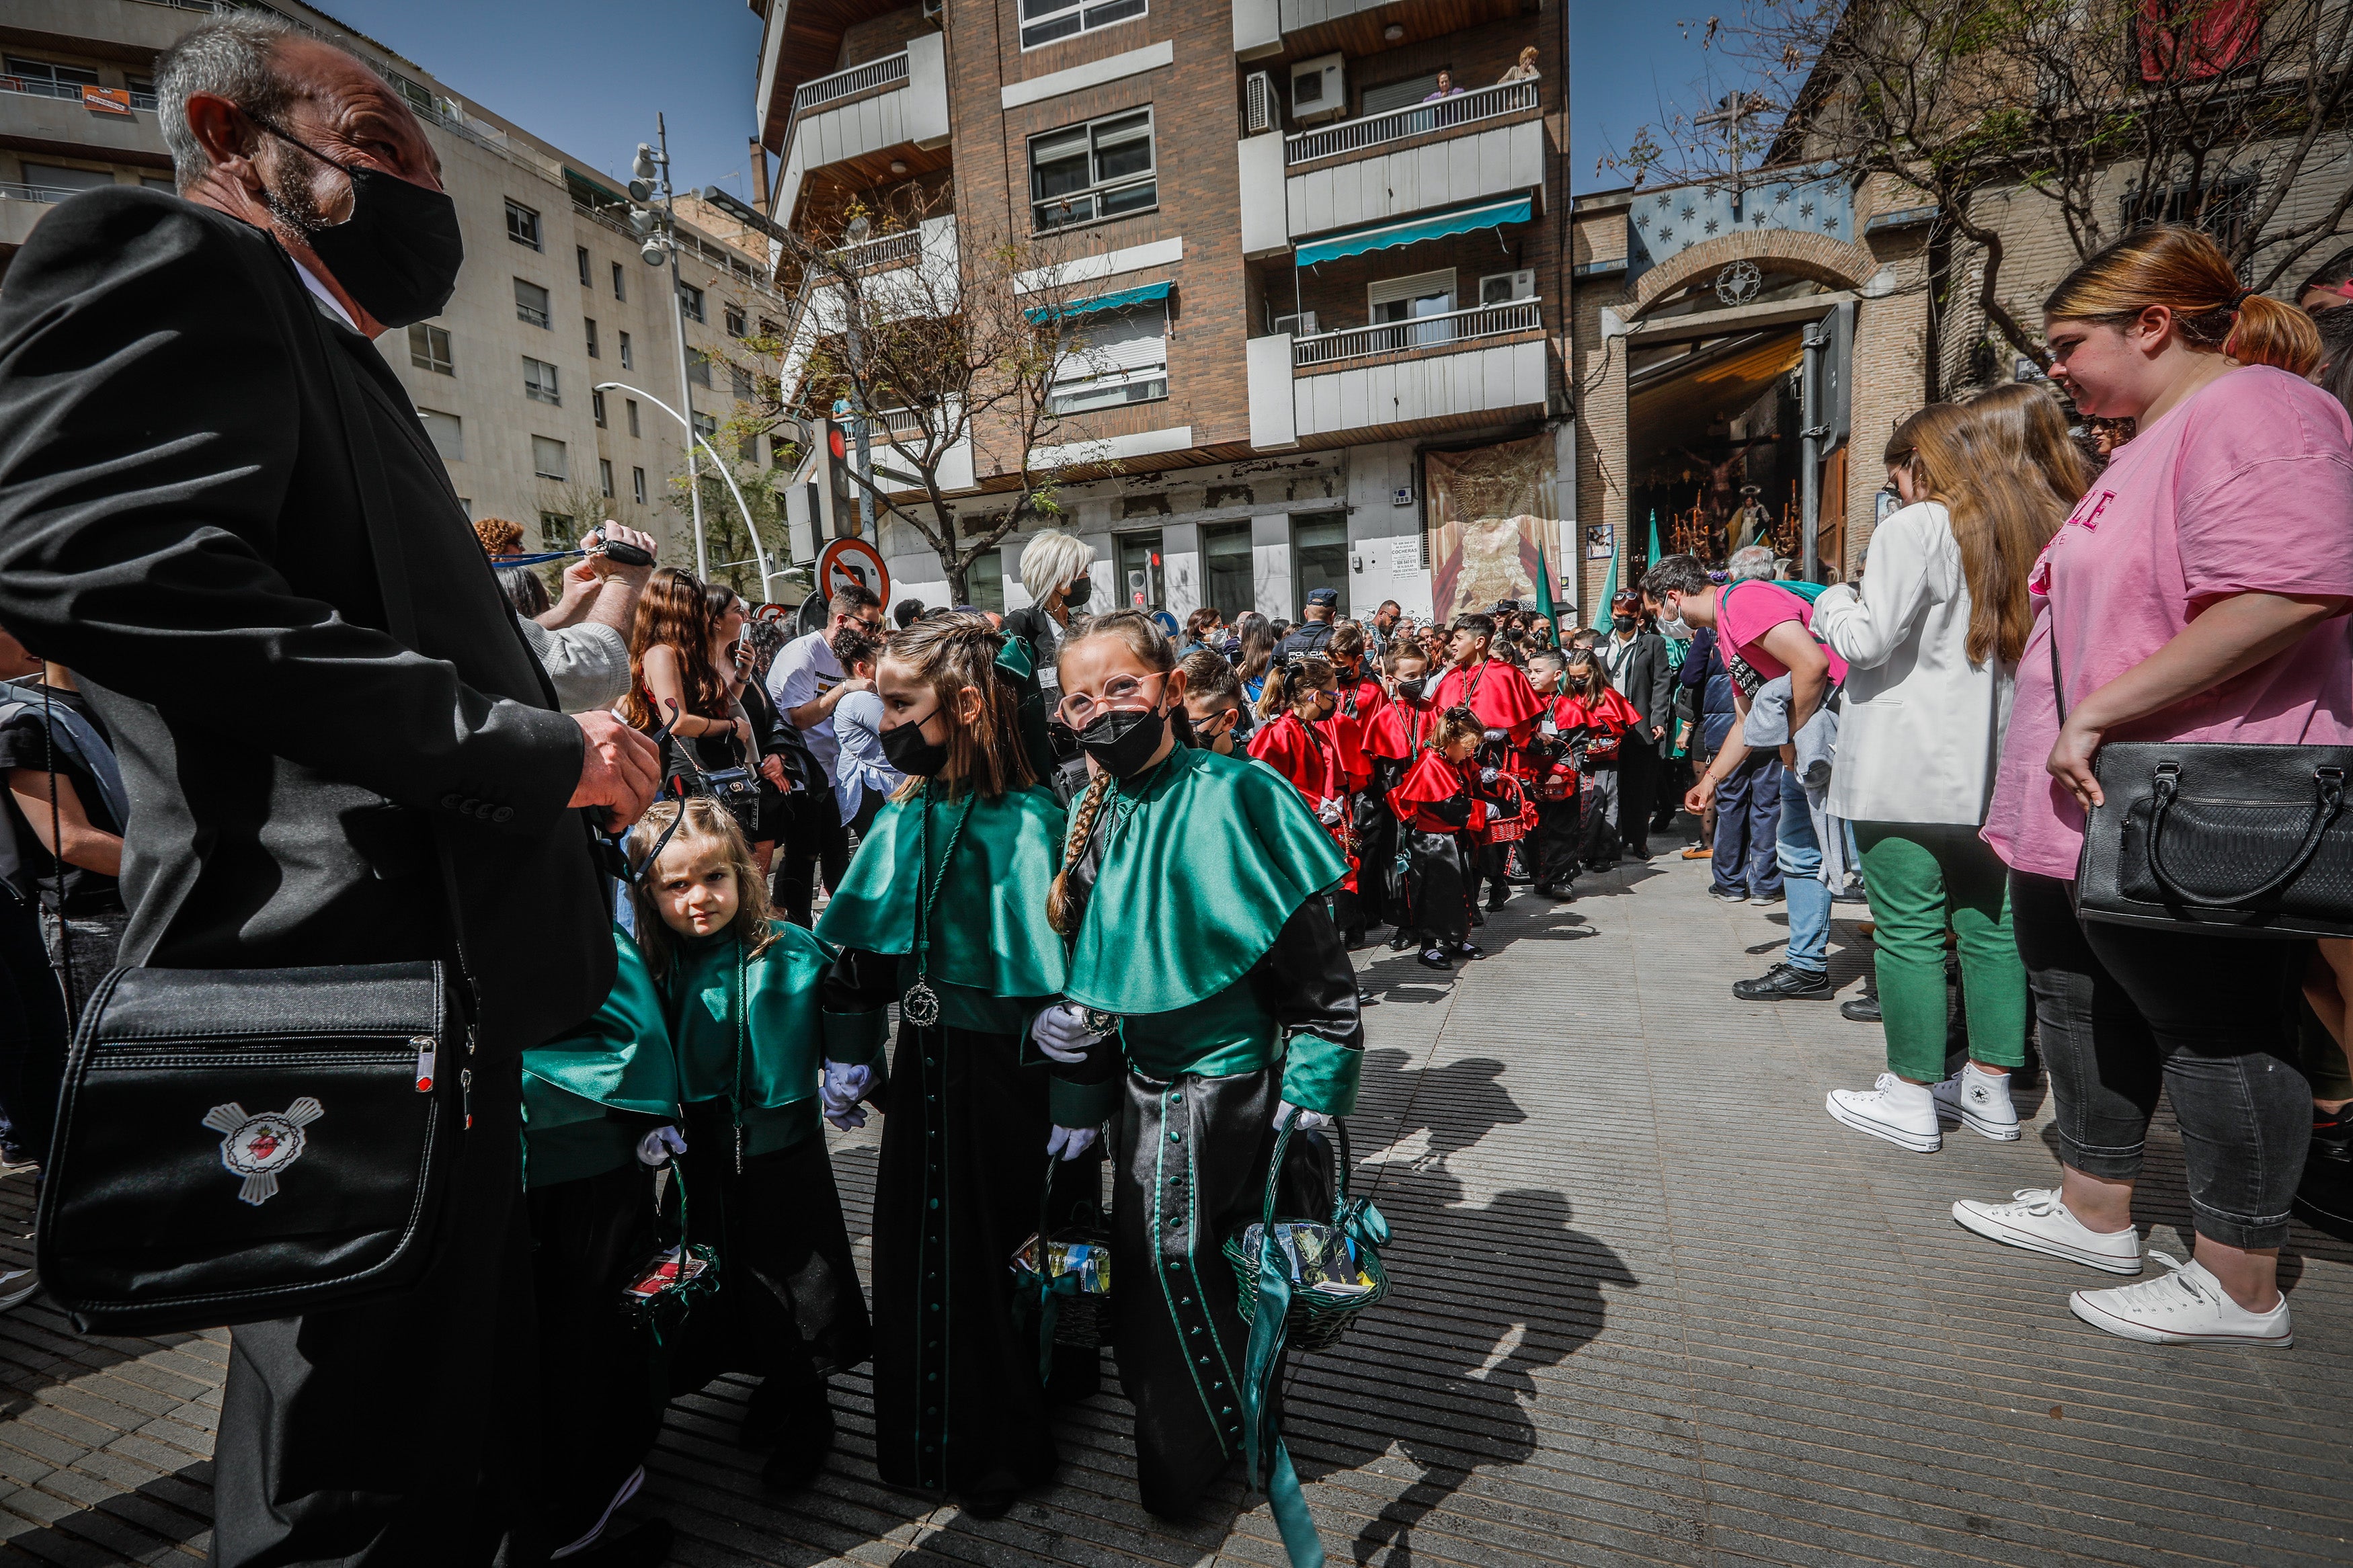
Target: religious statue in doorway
[(1752, 524)]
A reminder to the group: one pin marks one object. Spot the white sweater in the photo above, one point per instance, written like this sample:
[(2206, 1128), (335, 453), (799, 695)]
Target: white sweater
[(1922, 726)]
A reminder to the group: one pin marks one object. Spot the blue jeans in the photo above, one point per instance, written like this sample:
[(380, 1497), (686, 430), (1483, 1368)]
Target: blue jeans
[(1800, 856), (1747, 810)]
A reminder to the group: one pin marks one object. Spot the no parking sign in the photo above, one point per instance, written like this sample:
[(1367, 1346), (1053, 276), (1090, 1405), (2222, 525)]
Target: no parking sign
[(852, 561)]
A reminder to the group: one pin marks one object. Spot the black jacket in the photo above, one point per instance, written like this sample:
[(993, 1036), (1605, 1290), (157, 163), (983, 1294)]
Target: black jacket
[(191, 454), (1649, 686)]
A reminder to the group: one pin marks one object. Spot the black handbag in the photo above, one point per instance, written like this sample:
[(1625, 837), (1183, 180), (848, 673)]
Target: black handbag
[(2226, 839), (238, 1145)]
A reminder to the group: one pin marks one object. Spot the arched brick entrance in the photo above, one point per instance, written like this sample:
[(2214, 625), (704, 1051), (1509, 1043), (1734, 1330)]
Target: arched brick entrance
[(1832, 263)]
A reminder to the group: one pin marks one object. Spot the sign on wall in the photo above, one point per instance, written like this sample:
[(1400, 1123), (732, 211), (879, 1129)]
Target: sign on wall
[(1490, 513)]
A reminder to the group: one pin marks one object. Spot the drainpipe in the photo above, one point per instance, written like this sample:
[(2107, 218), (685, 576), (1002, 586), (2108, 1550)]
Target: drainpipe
[(1809, 476)]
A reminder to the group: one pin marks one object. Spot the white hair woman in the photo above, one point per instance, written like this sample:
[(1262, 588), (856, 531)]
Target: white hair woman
[(1054, 567)]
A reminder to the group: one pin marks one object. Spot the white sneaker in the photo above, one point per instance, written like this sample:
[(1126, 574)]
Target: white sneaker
[(17, 1286), (1903, 1113), (2186, 1307), (1978, 1100), (2036, 1220)]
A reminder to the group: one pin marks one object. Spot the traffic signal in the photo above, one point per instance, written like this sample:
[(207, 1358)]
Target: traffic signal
[(836, 493)]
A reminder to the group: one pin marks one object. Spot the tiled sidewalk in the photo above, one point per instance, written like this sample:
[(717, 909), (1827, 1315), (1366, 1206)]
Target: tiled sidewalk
[(1651, 1305)]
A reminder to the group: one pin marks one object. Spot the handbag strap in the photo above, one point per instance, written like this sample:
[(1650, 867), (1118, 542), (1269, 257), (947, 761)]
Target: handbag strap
[(2329, 786)]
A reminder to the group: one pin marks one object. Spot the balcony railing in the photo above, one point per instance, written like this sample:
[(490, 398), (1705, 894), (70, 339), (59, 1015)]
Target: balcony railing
[(1421, 332), (17, 192), (35, 86), (883, 250), (825, 89), (1397, 124), (532, 313)]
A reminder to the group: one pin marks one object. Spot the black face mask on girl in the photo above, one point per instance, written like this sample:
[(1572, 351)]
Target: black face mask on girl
[(1123, 739), (907, 749), (1411, 690)]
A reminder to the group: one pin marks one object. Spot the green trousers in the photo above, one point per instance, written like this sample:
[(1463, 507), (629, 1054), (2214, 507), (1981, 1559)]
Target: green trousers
[(1922, 877)]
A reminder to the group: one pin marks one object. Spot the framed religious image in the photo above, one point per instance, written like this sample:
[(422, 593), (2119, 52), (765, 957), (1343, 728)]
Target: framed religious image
[(1600, 540)]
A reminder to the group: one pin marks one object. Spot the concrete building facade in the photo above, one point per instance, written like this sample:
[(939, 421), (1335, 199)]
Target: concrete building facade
[(552, 299)]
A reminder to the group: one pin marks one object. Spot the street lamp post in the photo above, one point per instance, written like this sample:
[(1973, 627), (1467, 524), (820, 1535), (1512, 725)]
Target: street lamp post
[(650, 173), (693, 439)]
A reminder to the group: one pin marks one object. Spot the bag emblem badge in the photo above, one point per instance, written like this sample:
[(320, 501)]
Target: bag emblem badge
[(261, 1144)]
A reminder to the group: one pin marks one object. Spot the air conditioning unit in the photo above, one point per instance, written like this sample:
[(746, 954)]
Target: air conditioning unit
[(1319, 89), (1258, 110), (1501, 287), (1301, 325)]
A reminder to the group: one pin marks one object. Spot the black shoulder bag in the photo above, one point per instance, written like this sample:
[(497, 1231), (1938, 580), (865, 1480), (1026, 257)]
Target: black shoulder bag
[(2223, 838), (236, 1145)]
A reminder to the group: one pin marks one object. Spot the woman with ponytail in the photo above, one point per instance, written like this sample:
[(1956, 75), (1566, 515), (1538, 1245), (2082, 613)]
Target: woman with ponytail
[(2197, 593), (1192, 895), (943, 912)]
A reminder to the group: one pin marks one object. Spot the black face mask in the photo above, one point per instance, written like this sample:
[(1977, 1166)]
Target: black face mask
[(1080, 590), (1411, 690), (1123, 739), (398, 255), (1622, 623), (906, 750)]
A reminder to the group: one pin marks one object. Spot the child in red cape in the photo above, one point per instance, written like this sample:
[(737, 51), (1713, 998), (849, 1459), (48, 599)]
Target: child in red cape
[(1395, 732), (1507, 708), (1437, 809), (1596, 721)]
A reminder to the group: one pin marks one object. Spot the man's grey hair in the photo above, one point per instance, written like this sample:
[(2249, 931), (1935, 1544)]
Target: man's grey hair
[(1754, 562), (234, 59)]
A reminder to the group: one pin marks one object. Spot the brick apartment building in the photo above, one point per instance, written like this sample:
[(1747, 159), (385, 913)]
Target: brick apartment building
[(552, 299), (1341, 304)]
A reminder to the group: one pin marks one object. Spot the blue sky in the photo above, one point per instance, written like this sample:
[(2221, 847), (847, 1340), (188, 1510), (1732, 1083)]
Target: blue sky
[(587, 74)]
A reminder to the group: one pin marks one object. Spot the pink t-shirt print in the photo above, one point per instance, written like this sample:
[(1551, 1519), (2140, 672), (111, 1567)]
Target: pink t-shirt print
[(2245, 488)]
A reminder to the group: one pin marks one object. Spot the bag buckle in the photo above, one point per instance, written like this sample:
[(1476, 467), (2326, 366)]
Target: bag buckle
[(429, 1053)]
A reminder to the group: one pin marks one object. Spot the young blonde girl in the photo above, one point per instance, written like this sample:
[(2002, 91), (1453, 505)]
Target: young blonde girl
[(739, 992)]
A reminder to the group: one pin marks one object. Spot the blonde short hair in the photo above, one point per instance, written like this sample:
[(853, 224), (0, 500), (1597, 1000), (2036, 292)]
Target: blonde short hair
[(1052, 560)]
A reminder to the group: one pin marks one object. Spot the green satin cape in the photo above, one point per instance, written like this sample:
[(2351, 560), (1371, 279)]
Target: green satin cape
[(776, 995), (988, 929), (620, 1059), (1196, 883)]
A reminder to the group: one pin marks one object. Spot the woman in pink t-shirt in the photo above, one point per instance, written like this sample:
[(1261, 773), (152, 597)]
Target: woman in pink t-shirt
[(2197, 593)]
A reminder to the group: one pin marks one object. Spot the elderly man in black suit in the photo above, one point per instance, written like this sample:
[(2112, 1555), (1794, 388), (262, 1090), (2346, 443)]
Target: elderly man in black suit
[(217, 508)]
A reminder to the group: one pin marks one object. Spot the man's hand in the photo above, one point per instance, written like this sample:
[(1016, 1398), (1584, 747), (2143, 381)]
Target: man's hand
[(619, 770), (603, 565)]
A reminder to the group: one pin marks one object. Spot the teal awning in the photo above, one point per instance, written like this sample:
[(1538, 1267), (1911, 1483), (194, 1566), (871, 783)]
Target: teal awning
[(1144, 295), (1436, 226)]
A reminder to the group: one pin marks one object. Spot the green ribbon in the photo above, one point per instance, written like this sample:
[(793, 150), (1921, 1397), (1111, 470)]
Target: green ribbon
[(1260, 1436), (1048, 1306)]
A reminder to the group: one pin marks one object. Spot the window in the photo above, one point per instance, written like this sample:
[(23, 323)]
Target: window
[(780, 452), (1382, 97), (637, 482), (591, 321), (143, 91), (689, 300), (735, 323), (47, 79), (159, 182), (747, 448), (698, 367), (57, 177), (1226, 569), (706, 425), (1043, 21), (620, 282), (447, 432), (984, 582), (539, 382), (556, 531), (1406, 298), (531, 304), (627, 363), (429, 349), (596, 407), (1102, 169), (739, 383), (605, 477), (633, 415), (1319, 554), (580, 255), (1116, 357), (523, 224), (548, 459)]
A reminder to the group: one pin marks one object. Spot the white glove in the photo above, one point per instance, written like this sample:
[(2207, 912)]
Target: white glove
[(1062, 1033), (657, 1146), (1307, 1121), (1488, 776), (1069, 1142), (844, 1085), (1330, 809)]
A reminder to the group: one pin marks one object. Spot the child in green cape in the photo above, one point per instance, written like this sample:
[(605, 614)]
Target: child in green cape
[(944, 913), (1192, 892), (599, 1109), (739, 991)]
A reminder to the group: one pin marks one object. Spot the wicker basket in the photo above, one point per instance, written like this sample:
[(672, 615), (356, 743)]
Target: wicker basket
[(1314, 1320)]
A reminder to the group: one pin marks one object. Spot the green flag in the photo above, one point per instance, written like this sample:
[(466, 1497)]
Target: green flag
[(1544, 595), (1608, 586), (1654, 536)]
